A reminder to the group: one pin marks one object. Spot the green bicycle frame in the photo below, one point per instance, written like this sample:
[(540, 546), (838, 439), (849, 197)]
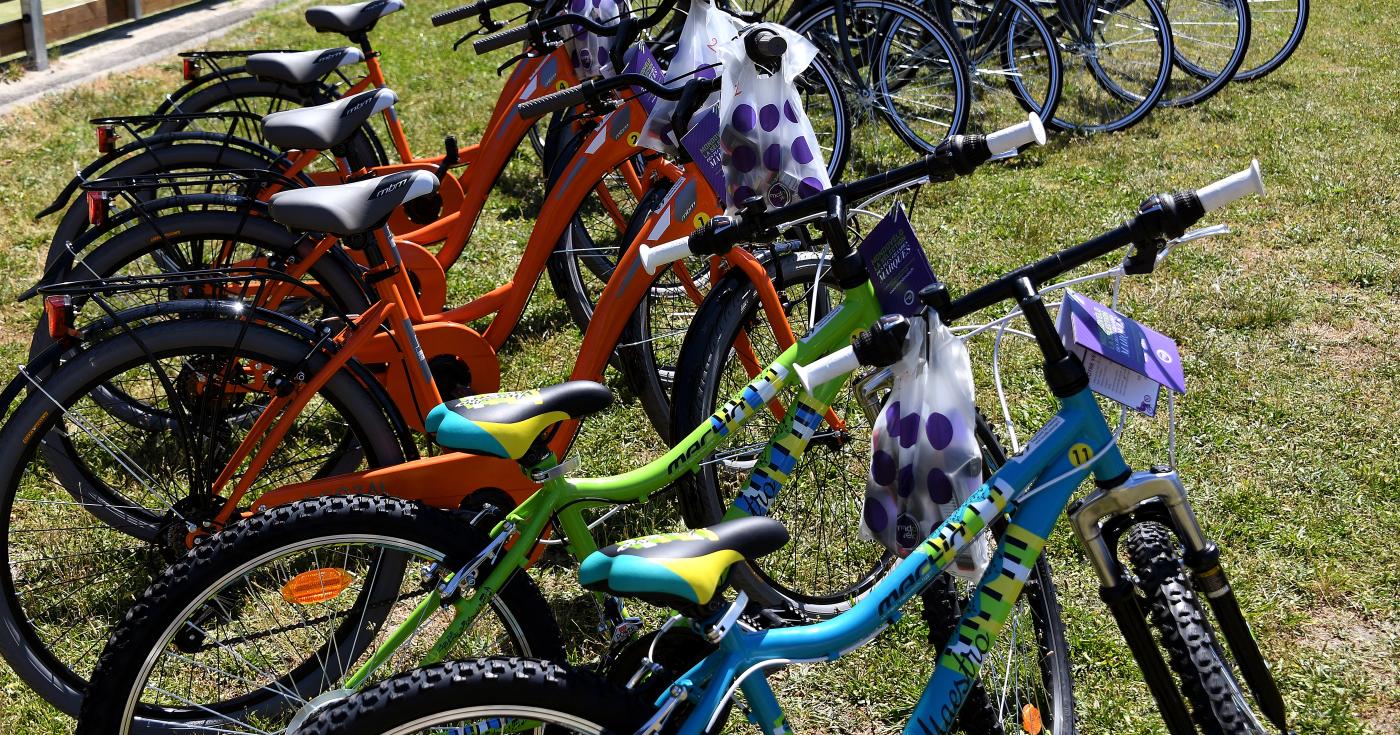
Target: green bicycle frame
[(566, 499)]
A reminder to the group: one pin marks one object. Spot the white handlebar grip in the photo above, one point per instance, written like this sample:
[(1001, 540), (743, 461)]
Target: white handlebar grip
[(1011, 139), (1230, 188), (667, 252), (827, 368)]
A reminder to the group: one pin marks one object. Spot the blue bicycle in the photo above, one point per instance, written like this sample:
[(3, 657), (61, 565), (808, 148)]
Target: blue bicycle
[(1206, 683)]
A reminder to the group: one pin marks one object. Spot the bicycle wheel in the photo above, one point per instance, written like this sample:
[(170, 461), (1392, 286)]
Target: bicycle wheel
[(184, 156), (1276, 30), (1117, 57), (1013, 61), (94, 503), (1209, 40), (823, 568), (1204, 670), (904, 82), (262, 98), (1025, 677), (251, 626), (487, 695)]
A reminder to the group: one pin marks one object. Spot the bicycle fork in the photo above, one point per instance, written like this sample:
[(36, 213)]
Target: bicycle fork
[(1159, 492)]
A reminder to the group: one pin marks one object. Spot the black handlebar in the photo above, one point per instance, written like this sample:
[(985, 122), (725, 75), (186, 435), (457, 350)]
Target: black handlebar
[(765, 48), (502, 39), (594, 89)]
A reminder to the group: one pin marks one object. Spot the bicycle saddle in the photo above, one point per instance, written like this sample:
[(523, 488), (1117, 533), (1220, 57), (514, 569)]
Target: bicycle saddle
[(348, 209), (347, 19), (679, 569), (325, 126), (507, 424), (301, 67)]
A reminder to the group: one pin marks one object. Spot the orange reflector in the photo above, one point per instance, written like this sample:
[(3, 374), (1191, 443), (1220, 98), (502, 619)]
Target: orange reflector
[(190, 69), (60, 313), (106, 138), (317, 585), (97, 208), (1030, 719)]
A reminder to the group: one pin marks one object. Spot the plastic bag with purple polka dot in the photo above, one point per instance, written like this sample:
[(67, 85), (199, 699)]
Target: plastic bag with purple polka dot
[(924, 459), (769, 148), (587, 50), (706, 29)]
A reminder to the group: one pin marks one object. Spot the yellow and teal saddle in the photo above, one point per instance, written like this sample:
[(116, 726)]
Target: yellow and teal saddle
[(507, 424), (680, 569)]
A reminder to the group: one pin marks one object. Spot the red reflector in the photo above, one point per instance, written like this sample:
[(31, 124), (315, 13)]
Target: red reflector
[(106, 138), (97, 207), (190, 69), (59, 311)]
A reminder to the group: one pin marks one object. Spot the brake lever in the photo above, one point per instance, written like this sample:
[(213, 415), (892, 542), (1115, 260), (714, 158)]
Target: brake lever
[(1200, 234)]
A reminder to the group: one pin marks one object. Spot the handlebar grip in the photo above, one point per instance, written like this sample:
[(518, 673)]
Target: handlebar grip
[(561, 100), (1230, 188), (653, 257), (456, 14), (1011, 139), (827, 369), (501, 39)]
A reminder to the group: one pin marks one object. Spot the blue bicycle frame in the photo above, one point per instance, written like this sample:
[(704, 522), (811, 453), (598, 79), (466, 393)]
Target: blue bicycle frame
[(1077, 441)]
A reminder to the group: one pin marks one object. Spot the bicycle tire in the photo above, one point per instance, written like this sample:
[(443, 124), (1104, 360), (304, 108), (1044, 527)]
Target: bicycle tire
[(942, 607), (870, 78), (362, 151), (1219, 705), (1258, 64), (732, 306), (163, 614), (1207, 71), (200, 156), (115, 553), (486, 688), (997, 60), (1088, 89)]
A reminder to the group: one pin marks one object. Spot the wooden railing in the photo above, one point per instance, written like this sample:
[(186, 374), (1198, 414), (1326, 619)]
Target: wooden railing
[(24, 35)]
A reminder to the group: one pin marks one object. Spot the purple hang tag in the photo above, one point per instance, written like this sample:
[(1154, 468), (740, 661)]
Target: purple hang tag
[(702, 143), (1126, 360), (641, 61), (898, 267)]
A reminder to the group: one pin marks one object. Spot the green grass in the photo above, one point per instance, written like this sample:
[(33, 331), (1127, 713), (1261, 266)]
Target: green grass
[(1289, 328)]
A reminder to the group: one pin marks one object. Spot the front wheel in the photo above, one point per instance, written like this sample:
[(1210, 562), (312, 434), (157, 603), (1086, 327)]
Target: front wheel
[(1117, 57), (486, 695), (245, 632), (1204, 671)]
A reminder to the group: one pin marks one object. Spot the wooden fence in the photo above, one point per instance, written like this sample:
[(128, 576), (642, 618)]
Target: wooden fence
[(24, 35)]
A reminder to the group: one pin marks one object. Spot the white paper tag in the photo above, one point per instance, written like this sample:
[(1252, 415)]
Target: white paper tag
[(1117, 383)]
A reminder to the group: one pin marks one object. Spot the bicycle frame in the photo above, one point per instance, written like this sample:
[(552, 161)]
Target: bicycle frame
[(1061, 450), (566, 499)]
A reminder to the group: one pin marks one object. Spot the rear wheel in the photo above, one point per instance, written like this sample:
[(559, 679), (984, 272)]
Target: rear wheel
[(1276, 30), (1117, 58), (254, 624), (1209, 40), (98, 500)]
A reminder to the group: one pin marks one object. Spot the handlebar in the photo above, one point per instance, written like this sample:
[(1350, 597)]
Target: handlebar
[(477, 8), (1159, 217), (595, 88), (508, 37), (957, 156)]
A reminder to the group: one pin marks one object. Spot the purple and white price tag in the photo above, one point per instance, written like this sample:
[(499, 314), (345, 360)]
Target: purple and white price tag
[(898, 267), (703, 144), (1127, 362), (641, 61)]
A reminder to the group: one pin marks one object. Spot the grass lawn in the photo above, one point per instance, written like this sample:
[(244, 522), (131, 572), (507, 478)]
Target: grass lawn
[(1289, 328)]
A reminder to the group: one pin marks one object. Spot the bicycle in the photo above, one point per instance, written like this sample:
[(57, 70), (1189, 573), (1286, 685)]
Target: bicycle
[(1209, 40), (515, 428), (688, 571), (1276, 31), (1117, 56), (403, 391)]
